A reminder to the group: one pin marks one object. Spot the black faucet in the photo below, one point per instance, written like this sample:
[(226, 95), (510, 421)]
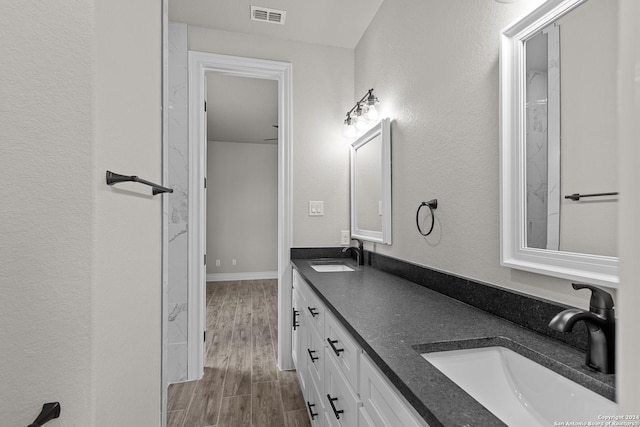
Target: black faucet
[(359, 251), (601, 323)]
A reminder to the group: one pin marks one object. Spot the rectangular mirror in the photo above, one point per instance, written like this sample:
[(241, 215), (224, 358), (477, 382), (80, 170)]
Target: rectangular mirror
[(558, 140), (371, 185)]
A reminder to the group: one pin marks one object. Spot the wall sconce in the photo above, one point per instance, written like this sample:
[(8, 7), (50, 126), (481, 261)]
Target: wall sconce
[(361, 114)]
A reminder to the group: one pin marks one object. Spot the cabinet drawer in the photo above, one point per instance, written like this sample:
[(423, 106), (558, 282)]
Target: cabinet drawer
[(300, 284), (315, 310), (342, 348), (382, 404), (313, 307), (315, 356), (340, 402), (315, 405)]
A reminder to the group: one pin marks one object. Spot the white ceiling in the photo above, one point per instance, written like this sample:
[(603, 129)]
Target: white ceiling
[(241, 109), (329, 22), (244, 109)]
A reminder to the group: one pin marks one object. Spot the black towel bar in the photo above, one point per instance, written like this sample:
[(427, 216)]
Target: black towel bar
[(114, 178), (577, 196)]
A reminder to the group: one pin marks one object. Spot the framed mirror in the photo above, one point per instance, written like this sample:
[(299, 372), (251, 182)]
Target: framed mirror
[(371, 185), (558, 144)]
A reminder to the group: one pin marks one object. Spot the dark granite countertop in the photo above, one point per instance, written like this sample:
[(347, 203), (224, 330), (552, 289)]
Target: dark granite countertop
[(394, 320)]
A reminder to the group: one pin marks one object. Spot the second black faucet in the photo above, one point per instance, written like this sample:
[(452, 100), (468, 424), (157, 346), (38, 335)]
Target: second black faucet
[(359, 251)]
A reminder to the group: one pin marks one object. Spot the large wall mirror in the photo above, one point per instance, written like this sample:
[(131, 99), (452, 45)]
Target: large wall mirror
[(559, 198), (371, 185)]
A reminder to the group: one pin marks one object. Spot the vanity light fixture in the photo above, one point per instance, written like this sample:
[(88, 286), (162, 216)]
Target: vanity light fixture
[(359, 116)]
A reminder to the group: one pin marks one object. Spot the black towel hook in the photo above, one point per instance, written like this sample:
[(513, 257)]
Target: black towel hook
[(431, 204)]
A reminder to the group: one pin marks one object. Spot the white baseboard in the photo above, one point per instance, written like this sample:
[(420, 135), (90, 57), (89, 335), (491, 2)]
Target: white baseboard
[(252, 275)]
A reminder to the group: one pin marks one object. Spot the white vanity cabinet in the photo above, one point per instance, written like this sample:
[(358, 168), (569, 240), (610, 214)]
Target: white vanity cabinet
[(340, 384)]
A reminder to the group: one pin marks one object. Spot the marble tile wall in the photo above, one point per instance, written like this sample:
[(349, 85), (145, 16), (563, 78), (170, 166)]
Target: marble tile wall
[(178, 202), (536, 159), (543, 139)]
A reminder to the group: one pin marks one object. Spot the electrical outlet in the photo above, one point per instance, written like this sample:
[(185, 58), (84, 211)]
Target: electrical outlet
[(217, 263), (233, 262), (345, 237)]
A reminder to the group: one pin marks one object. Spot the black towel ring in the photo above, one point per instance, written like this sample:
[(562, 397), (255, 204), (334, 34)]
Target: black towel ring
[(431, 204)]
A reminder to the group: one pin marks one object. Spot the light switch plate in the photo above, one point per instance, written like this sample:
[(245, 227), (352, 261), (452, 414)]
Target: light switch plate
[(316, 208)]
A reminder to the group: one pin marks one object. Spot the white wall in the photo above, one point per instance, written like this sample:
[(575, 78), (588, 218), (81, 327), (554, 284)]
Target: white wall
[(46, 221), (242, 207), (434, 66), (589, 148), (126, 287), (79, 262), (322, 94), (628, 375)]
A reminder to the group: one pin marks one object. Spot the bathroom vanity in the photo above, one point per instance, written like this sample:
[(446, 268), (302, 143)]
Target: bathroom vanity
[(358, 339)]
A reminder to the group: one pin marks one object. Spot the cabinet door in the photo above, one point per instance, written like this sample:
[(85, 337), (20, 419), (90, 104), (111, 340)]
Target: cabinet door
[(315, 357), (299, 335), (315, 405), (382, 404), (315, 309), (341, 402), (343, 349)]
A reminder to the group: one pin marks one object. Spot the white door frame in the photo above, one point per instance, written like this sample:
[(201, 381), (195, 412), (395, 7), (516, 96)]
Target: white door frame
[(201, 63)]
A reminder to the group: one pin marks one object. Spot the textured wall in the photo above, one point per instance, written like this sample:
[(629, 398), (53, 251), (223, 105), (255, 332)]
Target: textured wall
[(434, 66), (79, 261), (46, 211), (322, 93)]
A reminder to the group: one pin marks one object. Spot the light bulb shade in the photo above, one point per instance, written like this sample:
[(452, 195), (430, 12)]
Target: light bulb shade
[(349, 129), (362, 123), (372, 113), (371, 99)]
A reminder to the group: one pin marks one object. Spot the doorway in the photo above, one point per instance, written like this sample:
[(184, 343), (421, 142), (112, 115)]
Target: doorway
[(242, 178), (200, 64)]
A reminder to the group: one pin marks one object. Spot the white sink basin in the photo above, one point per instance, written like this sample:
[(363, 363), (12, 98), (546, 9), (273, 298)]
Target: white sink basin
[(519, 391), (327, 268)]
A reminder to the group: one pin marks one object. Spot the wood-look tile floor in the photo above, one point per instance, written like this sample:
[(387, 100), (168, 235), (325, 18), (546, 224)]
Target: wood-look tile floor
[(242, 386)]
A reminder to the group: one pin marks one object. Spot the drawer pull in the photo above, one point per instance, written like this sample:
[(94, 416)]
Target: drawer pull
[(314, 311), (336, 412), (295, 319), (313, 359), (310, 406), (332, 343)]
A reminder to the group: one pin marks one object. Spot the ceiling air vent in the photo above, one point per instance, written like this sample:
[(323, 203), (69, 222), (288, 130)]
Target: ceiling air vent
[(264, 14)]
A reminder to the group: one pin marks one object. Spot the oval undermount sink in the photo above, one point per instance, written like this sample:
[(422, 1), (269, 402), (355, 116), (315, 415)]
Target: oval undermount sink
[(518, 390)]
